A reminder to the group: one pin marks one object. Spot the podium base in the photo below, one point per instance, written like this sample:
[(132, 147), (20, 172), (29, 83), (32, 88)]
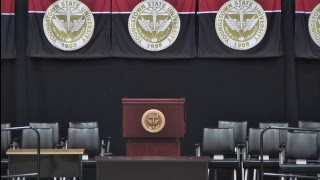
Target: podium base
[(153, 149)]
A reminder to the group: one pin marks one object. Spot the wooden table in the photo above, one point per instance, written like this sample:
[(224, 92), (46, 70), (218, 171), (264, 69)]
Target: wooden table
[(152, 167), (53, 162)]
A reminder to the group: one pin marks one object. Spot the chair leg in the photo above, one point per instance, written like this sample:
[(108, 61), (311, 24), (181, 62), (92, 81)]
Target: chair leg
[(235, 174), (244, 156), (242, 171), (215, 175), (254, 174), (291, 177), (246, 174)]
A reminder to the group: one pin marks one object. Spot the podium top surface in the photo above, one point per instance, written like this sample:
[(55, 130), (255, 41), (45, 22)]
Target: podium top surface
[(44, 151), (154, 158), (153, 100)]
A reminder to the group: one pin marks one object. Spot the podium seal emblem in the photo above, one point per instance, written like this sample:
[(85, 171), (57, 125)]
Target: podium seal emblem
[(154, 25), (241, 24), (68, 24), (153, 121), (314, 25)]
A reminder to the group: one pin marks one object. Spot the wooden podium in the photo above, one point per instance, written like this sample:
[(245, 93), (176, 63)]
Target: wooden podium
[(162, 143)]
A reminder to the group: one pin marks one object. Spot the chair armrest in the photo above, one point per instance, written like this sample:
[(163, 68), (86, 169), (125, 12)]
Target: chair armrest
[(198, 149), (63, 143), (15, 143), (105, 146), (59, 146)]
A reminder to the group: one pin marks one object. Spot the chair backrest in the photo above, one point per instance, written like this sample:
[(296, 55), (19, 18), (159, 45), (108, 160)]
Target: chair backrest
[(87, 138), (53, 126), (29, 139), (301, 145), (83, 125), (218, 141), (311, 125), (308, 124), (5, 139), (283, 133), (270, 141), (239, 128)]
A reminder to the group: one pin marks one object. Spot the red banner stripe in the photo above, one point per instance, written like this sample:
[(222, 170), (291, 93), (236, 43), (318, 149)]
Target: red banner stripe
[(93, 5), (179, 5), (215, 5), (7, 6), (306, 5)]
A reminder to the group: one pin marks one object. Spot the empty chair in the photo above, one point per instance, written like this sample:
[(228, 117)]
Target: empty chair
[(5, 139), (282, 133), (308, 124), (311, 125), (29, 139), (240, 130), (301, 154), (55, 130), (219, 144), (270, 150), (105, 141), (87, 138), (5, 145)]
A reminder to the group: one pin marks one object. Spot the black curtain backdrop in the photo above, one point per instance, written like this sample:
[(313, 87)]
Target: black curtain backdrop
[(255, 90)]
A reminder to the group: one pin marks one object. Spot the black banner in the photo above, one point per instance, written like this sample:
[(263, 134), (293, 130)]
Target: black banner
[(210, 45), (305, 45), (98, 46), (8, 50), (124, 46)]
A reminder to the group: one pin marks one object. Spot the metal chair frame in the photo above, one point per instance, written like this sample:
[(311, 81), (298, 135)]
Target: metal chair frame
[(38, 153), (261, 153)]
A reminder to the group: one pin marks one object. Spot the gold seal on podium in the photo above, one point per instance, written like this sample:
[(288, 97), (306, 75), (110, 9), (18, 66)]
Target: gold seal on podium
[(153, 120)]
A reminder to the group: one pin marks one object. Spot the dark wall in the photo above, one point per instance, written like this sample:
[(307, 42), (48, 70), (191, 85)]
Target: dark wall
[(255, 90)]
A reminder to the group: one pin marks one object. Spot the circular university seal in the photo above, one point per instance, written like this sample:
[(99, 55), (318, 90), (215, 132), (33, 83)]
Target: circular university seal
[(241, 25), (314, 25), (154, 25), (68, 24), (153, 121)]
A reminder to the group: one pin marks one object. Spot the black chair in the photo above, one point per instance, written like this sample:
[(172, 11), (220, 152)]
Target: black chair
[(89, 140), (29, 139), (308, 124), (55, 130), (311, 125), (86, 138), (105, 141), (271, 151), (282, 133), (219, 144), (5, 139), (240, 137), (301, 154), (5, 145)]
